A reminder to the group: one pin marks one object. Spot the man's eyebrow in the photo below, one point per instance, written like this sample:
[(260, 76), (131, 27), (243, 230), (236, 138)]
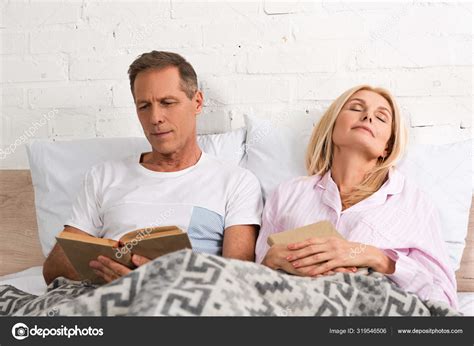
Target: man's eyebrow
[(160, 99)]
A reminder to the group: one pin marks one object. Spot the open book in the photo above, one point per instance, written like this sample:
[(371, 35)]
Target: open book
[(148, 242), (319, 229)]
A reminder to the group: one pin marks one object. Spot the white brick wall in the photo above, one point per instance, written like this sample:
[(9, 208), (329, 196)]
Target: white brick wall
[(70, 58)]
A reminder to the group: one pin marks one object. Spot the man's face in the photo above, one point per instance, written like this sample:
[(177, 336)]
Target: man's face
[(167, 115)]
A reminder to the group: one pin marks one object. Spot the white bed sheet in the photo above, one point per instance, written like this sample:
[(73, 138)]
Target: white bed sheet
[(466, 303), (31, 281)]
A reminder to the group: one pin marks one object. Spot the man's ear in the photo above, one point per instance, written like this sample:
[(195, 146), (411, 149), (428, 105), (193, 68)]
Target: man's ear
[(199, 99)]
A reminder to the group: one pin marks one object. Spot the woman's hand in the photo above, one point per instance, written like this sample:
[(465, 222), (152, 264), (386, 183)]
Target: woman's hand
[(277, 258), (316, 256)]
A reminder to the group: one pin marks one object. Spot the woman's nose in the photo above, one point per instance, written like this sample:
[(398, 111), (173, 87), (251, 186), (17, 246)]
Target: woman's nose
[(367, 116)]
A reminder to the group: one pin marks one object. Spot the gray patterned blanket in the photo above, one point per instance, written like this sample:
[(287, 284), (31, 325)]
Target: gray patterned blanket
[(191, 284)]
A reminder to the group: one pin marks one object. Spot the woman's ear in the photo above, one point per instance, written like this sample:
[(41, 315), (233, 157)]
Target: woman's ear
[(386, 151)]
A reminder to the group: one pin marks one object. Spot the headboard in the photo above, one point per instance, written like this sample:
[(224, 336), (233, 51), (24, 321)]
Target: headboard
[(18, 230), (21, 248), (465, 274)]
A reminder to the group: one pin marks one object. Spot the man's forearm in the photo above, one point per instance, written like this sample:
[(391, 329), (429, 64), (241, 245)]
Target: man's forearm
[(247, 255), (57, 264), (239, 242)]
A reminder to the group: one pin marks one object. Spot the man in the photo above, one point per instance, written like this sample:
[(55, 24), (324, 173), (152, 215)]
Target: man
[(175, 184)]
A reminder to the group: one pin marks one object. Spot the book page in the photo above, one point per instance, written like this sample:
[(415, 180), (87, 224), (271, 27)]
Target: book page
[(150, 232)]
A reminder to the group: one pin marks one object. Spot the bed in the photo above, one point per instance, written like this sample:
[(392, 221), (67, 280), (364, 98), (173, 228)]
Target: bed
[(22, 257)]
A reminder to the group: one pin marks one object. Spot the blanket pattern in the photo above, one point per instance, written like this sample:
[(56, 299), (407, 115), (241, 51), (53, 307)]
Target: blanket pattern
[(185, 283)]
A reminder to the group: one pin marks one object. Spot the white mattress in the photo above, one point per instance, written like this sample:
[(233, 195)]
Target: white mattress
[(466, 303), (31, 281)]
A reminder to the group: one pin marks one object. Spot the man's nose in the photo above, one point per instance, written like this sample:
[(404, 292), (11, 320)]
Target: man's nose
[(157, 115)]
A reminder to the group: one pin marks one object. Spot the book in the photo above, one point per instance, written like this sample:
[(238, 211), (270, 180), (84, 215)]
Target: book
[(150, 242), (318, 229)]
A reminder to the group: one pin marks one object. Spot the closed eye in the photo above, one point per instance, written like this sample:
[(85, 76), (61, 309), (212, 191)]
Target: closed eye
[(382, 117), (356, 106), (167, 103), (145, 106)]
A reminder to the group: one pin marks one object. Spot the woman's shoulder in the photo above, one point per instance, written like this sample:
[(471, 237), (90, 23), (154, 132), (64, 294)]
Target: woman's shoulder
[(299, 182), (412, 195), (295, 186)]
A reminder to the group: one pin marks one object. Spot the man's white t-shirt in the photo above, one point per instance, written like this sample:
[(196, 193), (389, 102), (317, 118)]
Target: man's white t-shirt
[(203, 200)]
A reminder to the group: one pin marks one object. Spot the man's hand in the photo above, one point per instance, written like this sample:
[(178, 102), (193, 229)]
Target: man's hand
[(110, 270)]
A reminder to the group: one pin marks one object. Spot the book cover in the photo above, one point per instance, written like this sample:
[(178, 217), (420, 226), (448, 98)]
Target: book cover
[(150, 242)]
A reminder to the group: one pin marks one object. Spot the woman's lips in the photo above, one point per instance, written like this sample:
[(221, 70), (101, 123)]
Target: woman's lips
[(364, 128)]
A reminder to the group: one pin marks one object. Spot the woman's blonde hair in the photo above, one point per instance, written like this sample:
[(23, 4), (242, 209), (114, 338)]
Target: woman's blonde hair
[(320, 150)]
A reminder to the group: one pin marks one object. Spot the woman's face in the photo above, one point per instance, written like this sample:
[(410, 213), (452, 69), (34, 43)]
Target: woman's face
[(364, 124)]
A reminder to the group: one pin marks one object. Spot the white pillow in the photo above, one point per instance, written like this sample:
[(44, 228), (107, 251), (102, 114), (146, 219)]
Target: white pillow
[(57, 170), (276, 149), (444, 173)]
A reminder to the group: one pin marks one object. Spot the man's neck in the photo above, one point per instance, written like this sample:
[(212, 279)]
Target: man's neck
[(173, 162), (349, 168)]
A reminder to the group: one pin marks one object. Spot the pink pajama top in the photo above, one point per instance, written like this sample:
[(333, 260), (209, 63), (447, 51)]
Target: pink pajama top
[(398, 219)]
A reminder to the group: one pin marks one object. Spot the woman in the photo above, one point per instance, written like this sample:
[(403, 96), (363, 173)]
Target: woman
[(388, 224)]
